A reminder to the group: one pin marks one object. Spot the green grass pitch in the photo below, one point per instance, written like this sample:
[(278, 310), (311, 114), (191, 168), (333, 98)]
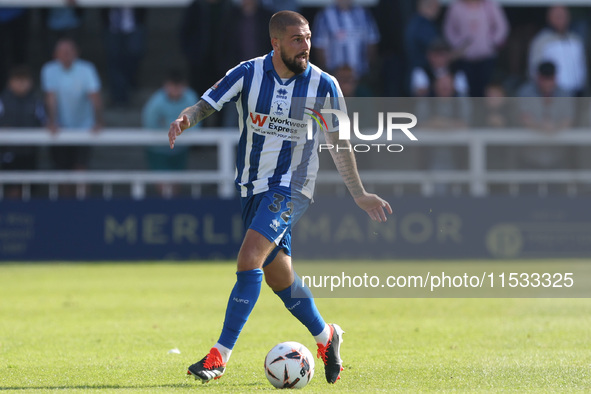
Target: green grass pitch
[(80, 327)]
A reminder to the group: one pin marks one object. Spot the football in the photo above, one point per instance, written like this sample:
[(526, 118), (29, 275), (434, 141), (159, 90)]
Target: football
[(289, 365)]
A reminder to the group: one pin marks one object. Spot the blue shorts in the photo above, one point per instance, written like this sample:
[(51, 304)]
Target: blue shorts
[(273, 214)]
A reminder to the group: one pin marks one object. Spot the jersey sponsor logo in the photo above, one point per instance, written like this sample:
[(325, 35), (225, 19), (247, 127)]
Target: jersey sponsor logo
[(258, 119), (278, 126)]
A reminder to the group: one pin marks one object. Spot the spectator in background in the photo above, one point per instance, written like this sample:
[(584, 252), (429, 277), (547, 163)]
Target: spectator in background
[(494, 110), (201, 35), (420, 32), (345, 34), (19, 107), (161, 109), (14, 38), (73, 101), (124, 44), (246, 33), (439, 62), (564, 48), (61, 22), (477, 29), (542, 109), (548, 109)]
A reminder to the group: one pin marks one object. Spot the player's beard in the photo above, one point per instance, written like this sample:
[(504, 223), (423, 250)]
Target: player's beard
[(295, 65)]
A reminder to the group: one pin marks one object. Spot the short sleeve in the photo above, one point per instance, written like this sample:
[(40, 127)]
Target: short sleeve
[(226, 89)]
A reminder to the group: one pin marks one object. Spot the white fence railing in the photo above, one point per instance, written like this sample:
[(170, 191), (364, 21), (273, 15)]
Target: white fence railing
[(477, 176)]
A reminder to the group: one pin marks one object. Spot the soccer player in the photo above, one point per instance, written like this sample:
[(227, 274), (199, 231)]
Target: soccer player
[(275, 175)]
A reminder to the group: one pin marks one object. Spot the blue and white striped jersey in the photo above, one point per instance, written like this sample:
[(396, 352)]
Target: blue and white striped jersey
[(274, 149)]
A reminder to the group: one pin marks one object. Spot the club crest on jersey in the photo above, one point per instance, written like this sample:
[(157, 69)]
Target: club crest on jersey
[(279, 108)]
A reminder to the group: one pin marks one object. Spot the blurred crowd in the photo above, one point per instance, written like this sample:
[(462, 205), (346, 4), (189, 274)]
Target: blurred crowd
[(403, 48)]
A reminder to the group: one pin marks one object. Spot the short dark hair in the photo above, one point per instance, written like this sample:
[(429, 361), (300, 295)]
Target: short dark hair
[(546, 69), (21, 71), (281, 20)]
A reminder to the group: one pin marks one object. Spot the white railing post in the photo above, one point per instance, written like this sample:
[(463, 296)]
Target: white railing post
[(26, 192), (138, 190), (108, 191), (477, 165), (53, 191), (226, 158)]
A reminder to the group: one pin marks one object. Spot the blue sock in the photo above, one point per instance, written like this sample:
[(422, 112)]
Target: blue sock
[(303, 307), (242, 299)]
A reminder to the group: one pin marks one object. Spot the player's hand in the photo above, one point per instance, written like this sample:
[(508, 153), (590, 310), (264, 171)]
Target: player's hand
[(375, 206), (176, 128)]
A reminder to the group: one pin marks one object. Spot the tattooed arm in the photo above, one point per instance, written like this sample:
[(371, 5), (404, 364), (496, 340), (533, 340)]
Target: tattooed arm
[(189, 118), (344, 160)]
